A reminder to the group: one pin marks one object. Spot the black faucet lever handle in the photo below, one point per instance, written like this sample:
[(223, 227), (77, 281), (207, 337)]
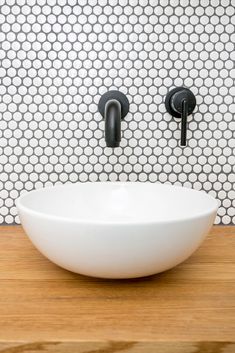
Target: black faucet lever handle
[(180, 102), (184, 116)]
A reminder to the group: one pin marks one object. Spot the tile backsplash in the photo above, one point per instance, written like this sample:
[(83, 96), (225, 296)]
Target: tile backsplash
[(57, 57)]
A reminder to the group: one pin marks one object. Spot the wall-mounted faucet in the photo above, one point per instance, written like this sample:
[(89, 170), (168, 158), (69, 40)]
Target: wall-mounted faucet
[(112, 117), (180, 102), (113, 106)]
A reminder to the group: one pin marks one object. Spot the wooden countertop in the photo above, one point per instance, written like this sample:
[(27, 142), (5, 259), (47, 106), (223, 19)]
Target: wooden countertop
[(190, 309)]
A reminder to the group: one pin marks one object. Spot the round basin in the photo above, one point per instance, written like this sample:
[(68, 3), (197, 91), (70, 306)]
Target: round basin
[(117, 230)]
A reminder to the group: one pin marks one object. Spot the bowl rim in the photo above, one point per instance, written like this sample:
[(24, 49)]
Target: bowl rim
[(21, 207)]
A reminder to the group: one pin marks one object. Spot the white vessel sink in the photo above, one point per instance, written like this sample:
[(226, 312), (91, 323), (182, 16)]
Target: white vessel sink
[(116, 230)]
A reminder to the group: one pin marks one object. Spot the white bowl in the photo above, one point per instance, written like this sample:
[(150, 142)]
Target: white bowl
[(116, 230)]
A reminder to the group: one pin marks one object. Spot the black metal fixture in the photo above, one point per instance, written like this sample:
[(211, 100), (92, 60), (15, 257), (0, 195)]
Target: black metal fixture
[(180, 102), (113, 106)]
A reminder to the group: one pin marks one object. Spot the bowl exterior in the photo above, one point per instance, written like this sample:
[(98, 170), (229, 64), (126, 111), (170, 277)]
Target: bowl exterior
[(116, 250)]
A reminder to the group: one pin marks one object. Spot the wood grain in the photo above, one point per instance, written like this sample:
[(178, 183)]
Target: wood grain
[(190, 309)]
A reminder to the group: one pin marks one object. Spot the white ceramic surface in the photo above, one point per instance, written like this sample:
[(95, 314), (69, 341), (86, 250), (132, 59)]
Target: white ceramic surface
[(116, 230)]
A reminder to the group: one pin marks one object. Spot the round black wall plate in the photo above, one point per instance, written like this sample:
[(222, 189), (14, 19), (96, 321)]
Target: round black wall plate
[(170, 107), (119, 96)]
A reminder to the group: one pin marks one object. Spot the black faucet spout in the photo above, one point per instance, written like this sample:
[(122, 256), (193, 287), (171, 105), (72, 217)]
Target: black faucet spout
[(112, 117), (113, 106)]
